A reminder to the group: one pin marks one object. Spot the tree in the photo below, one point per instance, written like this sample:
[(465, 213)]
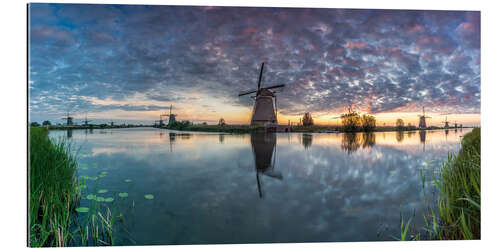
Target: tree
[(368, 122), (400, 123), (222, 122), (34, 124), (46, 123), (351, 122), (307, 120)]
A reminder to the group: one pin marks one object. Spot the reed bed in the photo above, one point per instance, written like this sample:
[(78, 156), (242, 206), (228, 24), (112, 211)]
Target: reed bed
[(458, 215), (54, 197)]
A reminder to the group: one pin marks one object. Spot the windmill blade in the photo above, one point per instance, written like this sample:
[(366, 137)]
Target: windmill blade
[(247, 92), (260, 75), (276, 86)]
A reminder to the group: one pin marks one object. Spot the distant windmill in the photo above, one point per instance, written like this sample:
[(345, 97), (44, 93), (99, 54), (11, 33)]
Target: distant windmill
[(446, 122), (422, 123), (171, 117), (86, 122), (69, 119), (264, 111)]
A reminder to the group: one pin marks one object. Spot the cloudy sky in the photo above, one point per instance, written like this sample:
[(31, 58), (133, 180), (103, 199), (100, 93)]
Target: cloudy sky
[(130, 63)]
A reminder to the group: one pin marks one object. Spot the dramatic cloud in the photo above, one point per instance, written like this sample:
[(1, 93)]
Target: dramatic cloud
[(90, 58)]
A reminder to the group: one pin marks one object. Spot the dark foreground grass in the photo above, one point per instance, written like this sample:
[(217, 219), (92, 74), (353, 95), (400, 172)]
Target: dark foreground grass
[(459, 204), (54, 194)]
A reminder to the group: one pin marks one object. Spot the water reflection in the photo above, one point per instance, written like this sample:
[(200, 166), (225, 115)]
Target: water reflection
[(221, 138), (400, 136), (264, 153), (69, 133), (246, 189), (353, 141), (307, 140)]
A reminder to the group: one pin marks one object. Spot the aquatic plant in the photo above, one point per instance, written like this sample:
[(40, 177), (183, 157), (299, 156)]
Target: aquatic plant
[(149, 196), (123, 195)]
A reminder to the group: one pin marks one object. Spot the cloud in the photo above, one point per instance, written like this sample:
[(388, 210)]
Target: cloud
[(378, 60)]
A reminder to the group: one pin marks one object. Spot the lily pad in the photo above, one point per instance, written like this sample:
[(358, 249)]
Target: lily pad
[(123, 195), (109, 199), (100, 199), (104, 172), (91, 197), (82, 186), (93, 178), (149, 196), (82, 209), (102, 191), (128, 180)]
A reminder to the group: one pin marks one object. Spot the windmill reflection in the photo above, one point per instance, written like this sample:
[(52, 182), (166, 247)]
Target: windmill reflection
[(422, 134), (352, 141), (69, 133), (264, 152)]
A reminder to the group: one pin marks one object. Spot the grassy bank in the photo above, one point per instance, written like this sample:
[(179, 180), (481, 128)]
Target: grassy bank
[(460, 185), (54, 197), (53, 190), (459, 204)]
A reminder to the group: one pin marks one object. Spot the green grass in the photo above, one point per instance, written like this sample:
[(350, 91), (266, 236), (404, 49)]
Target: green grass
[(460, 180), (54, 196), (459, 204), (53, 190)]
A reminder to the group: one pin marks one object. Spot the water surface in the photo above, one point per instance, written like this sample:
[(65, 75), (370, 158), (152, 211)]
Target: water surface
[(261, 188)]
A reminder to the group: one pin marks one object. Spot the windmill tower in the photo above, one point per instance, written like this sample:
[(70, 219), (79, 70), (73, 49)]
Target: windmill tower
[(86, 122), (265, 107), (171, 117), (422, 123), (446, 123), (69, 119)]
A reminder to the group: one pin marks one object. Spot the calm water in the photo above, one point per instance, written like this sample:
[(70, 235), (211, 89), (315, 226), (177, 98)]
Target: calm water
[(297, 187)]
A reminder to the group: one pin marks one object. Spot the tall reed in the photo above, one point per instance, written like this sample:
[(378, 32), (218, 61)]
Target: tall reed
[(53, 190)]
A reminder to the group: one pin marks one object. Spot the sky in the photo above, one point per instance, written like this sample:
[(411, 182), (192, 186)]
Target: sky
[(129, 63)]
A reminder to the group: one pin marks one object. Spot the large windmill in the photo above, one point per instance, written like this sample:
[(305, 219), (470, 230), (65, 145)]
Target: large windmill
[(422, 123), (265, 106)]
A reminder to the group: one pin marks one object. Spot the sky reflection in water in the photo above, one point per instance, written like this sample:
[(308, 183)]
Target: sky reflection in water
[(297, 187)]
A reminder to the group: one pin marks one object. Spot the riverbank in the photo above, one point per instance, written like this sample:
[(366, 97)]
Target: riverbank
[(301, 129), (102, 126), (54, 198), (53, 190), (460, 186), (459, 203)]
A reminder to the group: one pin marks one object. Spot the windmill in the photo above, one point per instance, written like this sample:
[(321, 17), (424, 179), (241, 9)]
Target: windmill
[(264, 111), (446, 123), (86, 122), (69, 119), (171, 117), (422, 123)]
